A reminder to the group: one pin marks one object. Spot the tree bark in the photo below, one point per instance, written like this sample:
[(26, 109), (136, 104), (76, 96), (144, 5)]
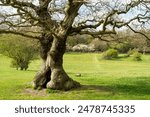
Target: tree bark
[(59, 78), (43, 76), (52, 74)]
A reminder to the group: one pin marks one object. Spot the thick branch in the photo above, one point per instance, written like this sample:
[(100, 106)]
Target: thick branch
[(18, 33), (71, 12), (97, 33), (18, 3), (44, 3), (80, 28), (138, 32)]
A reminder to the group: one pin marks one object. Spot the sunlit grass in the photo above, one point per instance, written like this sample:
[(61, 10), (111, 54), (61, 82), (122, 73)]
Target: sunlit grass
[(122, 78)]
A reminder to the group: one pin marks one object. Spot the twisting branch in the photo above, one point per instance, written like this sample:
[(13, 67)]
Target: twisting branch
[(44, 3), (138, 32), (71, 12), (19, 33), (109, 22), (18, 3), (100, 18)]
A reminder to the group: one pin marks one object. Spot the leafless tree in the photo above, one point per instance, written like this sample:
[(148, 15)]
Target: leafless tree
[(52, 21)]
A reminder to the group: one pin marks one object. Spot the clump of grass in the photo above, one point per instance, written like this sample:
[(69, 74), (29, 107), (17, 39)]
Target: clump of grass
[(131, 52), (137, 56), (110, 54), (52, 91)]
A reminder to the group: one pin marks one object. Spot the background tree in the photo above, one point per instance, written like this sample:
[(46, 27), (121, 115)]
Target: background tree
[(78, 39), (52, 21), (20, 50)]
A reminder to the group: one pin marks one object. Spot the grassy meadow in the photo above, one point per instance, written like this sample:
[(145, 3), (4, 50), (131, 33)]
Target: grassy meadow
[(101, 79)]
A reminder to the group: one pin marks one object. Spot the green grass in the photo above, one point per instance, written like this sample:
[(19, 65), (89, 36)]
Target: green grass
[(122, 78)]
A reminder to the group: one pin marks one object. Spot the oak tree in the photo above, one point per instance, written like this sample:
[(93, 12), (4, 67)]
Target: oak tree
[(52, 21)]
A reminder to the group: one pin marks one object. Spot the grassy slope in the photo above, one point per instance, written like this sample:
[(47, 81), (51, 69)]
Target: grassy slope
[(115, 79)]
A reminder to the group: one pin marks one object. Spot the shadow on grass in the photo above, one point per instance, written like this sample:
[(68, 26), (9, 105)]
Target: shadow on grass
[(132, 89), (120, 58), (94, 87), (31, 70), (134, 86)]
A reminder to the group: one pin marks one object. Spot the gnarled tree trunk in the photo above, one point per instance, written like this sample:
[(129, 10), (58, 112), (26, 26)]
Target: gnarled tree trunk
[(52, 74)]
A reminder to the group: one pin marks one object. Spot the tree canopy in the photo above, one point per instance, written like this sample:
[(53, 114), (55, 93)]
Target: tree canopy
[(95, 18)]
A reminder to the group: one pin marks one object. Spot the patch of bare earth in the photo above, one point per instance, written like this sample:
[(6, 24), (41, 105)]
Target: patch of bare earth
[(32, 92)]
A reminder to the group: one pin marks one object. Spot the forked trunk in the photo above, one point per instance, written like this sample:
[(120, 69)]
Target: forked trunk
[(52, 74)]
